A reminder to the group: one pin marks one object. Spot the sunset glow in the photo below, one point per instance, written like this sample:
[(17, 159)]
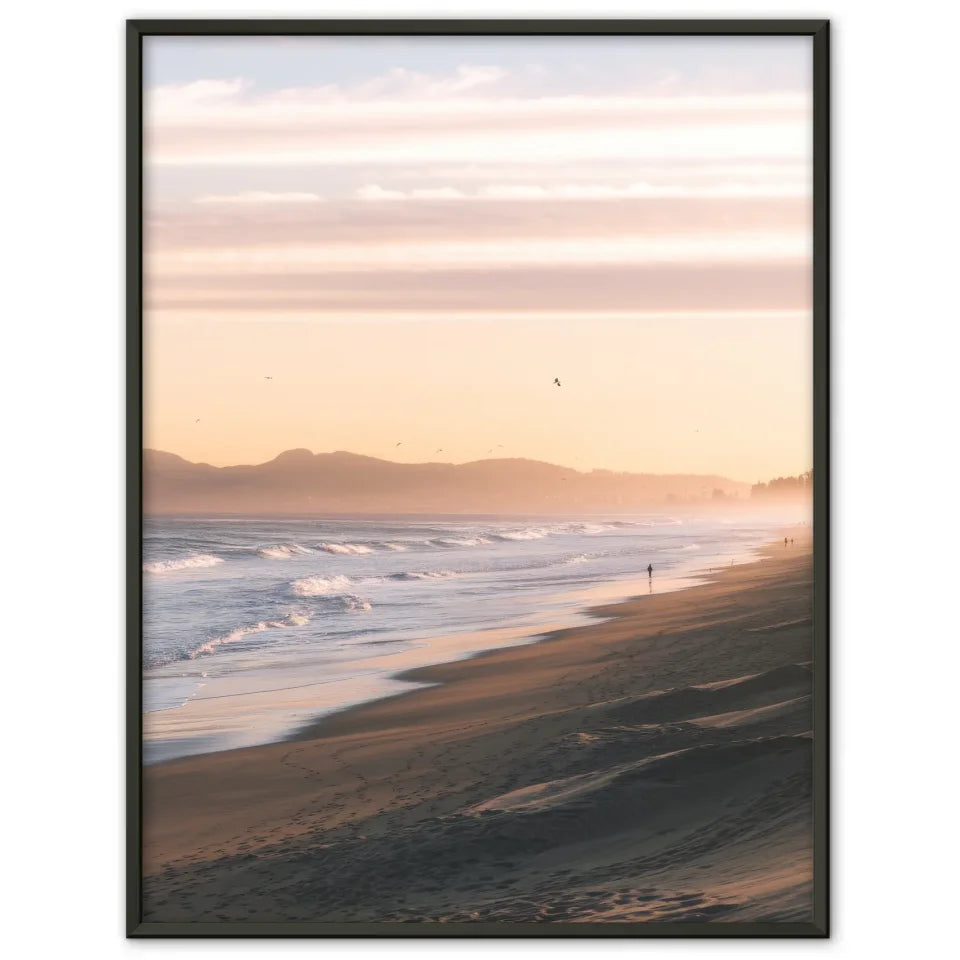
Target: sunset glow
[(411, 239)]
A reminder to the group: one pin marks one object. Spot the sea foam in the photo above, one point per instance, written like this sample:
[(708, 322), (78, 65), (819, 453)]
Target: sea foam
[(345, 548), (319, 586), (459, 541), (355, 604), (528, 533), (194, 561), (424, 575), (282, 551), (211, 646)]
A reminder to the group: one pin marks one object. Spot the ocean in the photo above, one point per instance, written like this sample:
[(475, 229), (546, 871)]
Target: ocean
[(254, 627)]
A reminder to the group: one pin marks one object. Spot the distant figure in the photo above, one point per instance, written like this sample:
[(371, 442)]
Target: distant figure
[(440, 450), (784, 541), (197, 420), (791, 541), (650, 570), (556, 380)]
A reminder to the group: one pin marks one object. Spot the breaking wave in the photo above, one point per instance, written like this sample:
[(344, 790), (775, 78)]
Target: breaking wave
[(326, 586), (319, 586), (282, 551), (344, 548), (459, 541), (587, 528), (354, 603), (538, 533), (195, 560), (211, 646), (424, 575), (528, 533), (650, 522)]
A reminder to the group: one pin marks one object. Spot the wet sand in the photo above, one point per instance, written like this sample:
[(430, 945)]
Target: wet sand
[(653, 766)]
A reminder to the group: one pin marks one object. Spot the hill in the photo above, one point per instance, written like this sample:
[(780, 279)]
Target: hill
[(299, 481)]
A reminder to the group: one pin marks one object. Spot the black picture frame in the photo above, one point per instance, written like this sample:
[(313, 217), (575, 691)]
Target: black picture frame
[(819, 31)]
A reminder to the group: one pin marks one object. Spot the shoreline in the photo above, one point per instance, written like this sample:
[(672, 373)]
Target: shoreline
[(593, 614), (511, 787), (400, 673)]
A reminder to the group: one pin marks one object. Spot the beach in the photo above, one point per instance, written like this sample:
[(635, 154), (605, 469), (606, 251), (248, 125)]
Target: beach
[(654, 764)]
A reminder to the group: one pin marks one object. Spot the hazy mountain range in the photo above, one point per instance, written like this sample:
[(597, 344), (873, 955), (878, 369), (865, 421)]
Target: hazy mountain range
[(298, 481)]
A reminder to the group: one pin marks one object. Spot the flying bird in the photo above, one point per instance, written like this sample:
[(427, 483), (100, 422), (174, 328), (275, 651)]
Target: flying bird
[(440, 450), (197, 420), (556, 380), (397, 444)]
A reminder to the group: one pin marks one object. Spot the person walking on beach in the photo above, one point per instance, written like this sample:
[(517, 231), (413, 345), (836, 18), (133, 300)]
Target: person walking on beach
[(650, 570), (784, 541)]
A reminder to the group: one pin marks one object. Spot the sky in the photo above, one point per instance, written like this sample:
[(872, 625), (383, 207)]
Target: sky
[(355, 243)]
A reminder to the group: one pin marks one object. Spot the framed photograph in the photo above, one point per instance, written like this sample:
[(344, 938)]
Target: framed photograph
[(478, 478)]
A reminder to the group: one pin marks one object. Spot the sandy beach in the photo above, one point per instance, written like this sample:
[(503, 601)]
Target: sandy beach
[(655, 765)]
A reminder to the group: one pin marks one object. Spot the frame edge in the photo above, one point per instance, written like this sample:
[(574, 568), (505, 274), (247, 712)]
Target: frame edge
[(135, 31)]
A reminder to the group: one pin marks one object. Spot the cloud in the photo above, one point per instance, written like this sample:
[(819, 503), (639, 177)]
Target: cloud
[(400, 82), (774, 286), (260, 197), (376, 192), (200, 97), (392, 315), (727, 247), (436, 193), (543, 143), (404, 95), (467, 116), (414, 191), (669, 171), (593, 191), (435, 219)]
